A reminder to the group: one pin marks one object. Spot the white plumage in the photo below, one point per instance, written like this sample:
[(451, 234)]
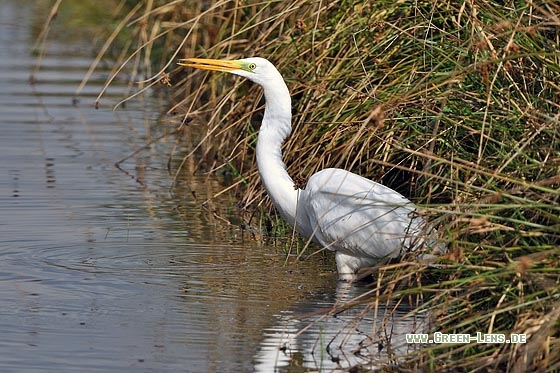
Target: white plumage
[(364, 222)]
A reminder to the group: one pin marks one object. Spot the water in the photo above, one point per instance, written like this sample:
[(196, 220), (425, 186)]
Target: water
[(104, 269)]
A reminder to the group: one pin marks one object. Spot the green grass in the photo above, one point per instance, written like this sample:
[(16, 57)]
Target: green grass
[(453, 104)]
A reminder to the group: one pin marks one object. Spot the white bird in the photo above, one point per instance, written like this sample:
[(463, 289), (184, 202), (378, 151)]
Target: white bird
[(364, 222)]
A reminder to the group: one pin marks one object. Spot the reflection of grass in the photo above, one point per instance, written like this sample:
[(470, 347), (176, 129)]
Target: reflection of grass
[(82, 17), (454, 104)]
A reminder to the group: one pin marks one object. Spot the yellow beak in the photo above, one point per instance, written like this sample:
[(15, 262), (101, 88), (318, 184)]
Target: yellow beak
[(209, 64)]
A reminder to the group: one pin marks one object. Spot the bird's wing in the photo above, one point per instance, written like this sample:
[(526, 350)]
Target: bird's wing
[(357, 216)]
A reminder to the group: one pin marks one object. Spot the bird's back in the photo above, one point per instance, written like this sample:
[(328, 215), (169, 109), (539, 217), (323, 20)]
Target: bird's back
[(357, 216)]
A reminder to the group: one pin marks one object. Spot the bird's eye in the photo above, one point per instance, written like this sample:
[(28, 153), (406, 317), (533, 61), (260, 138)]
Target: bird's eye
[(252, 66)]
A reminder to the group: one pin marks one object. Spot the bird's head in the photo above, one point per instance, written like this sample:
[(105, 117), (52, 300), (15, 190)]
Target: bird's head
[(262, 72), (257, 69)]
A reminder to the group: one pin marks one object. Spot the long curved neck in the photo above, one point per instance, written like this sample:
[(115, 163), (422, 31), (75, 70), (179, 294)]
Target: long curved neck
[(275, 128)]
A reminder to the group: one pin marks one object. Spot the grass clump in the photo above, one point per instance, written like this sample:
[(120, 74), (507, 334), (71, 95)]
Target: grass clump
[(453, 104)]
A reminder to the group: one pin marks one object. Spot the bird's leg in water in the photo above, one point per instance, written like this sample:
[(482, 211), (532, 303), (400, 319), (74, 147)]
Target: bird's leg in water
[(347, 266)]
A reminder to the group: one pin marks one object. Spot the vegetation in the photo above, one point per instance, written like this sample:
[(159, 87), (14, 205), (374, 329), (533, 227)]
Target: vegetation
[(454, 104)]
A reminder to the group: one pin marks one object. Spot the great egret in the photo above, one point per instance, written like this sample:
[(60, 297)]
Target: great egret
[(364, 222)]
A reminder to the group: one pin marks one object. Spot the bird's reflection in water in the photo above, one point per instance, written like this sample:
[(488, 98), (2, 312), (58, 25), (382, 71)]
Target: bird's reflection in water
[(326, 334)]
